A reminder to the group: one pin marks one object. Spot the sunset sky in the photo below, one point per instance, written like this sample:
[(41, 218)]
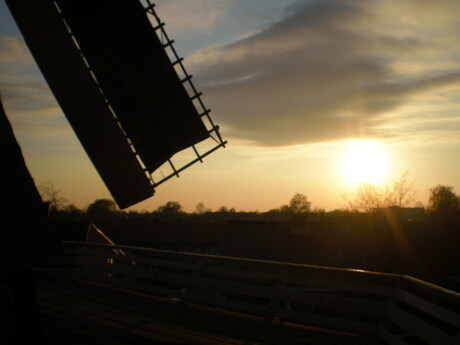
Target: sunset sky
[(300, 89)]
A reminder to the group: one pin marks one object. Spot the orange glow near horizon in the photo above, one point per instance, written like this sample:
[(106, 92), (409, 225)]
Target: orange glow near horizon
[(364, 161)]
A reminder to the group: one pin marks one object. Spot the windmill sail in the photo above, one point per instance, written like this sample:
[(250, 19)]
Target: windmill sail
[(113, 79), (134, 71)]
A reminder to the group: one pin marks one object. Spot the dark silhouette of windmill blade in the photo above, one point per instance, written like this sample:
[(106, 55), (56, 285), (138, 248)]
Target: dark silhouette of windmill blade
[(116, 85), (134, 71)]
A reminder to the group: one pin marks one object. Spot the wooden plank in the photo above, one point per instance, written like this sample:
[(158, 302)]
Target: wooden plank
[(259, 276), (65, 330), (328, 322), (219, 327), (420, 328), (248, 308), (298, 281), (217, 322), (67, 323), (309, 318), (136, 285), (282, 294), (194, 267), (108, 323), (217, 285), (269, 266), (113, 300), (273, 293), (450, 296), (335, 301), (265, 310), (109, 268), (183, 280), (300, 284), (157, 290), (191, 337), (351, 286), (390, 338), (203, 267), (99, 327), (94, 277), (429, 308)]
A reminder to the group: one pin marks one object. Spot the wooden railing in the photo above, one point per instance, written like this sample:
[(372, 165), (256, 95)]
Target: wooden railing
[(398, 309)]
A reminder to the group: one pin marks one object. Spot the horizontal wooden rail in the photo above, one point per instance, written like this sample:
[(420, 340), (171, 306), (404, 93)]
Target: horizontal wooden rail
[(398, 309)]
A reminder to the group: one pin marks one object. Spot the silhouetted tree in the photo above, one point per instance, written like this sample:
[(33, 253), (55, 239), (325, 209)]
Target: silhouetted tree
[(201, 209), (366, 198), (402, 193), (224, 209), (443, 201), (171, 207), (282, 209), (52, 196), (70, 212), (102, 209), (299, 204)]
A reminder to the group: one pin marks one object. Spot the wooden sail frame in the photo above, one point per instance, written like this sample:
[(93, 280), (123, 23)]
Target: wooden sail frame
[(121, 167), (204, 111)]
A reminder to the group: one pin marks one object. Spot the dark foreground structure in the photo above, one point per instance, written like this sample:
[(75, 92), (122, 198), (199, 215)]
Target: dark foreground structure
[(79, 312), (27, 239), (105, 294), (113, 77)]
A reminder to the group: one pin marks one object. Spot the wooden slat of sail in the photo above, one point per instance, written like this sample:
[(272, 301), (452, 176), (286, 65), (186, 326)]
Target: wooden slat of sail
[(79, 97), (136, 75)]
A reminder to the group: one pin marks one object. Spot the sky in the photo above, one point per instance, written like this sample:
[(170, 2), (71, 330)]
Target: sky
[(293, 85)]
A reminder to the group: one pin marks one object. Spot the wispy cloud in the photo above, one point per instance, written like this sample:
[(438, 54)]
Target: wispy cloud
[(41, 129), (329, 69), (13, 49), (181, 15), (28, 102), (21, 84)]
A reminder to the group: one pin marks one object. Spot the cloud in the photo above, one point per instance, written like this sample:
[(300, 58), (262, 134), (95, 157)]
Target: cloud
[(41, 129), (328, 70), (30, 106), (21, 85), (36, 119), (26, 95), (180, 14), (32, 109), (13, 49)]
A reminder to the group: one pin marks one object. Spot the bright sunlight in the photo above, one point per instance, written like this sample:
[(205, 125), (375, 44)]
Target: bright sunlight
[(364, 161)]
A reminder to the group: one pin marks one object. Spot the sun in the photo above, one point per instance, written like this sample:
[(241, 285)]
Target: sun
[(364, 161)]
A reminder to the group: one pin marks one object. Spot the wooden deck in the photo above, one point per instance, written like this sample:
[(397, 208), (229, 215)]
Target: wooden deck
[(78, 312)]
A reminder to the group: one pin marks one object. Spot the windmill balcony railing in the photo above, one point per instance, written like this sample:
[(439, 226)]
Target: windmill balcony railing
[(397, 309)]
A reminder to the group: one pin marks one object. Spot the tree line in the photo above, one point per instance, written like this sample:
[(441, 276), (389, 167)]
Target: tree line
[(367, 198)]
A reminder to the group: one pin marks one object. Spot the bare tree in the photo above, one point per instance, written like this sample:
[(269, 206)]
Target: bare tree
[(366, 198), (51, 195), (201, 209), (402, 193)]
